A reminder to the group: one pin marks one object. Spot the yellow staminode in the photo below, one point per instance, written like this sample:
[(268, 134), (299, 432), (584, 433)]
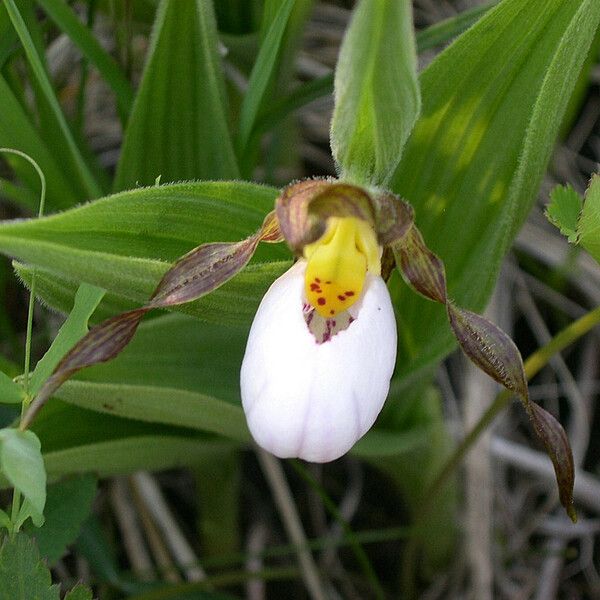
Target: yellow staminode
[(338, 263)]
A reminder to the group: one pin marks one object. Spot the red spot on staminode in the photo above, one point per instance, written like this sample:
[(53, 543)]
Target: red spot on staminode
[(332, 312), (314, 287), (342, 298), (350, 293), (328, 282), (321, 301), (317, 280)]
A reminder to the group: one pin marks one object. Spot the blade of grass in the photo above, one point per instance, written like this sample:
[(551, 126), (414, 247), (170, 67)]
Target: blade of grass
[(262, 74), (67, 21), (82, 171)]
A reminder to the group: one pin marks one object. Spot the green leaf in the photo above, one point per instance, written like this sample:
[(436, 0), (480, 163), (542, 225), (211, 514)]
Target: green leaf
[(123, 456), (121, 242), (68, 505), (563, 210), (76, 164), (156, 404), (76, 440), (21, 463), (23, 575), (376, 92), (262, 73), (10, 392), (178, 125), (80, 35), (589, 222), (73, 329), (492, 105), (177, 351)]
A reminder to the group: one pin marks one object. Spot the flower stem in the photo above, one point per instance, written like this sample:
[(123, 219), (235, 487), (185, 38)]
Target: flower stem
[(537, 361)]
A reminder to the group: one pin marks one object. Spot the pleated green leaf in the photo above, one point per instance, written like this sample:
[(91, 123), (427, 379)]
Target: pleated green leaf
[(126, 242), (178, 127), (492, 105), (376, 91)]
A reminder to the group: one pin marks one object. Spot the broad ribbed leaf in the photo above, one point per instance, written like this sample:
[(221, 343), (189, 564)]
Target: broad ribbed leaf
[(159, 404), (492, 105), (196, 274), (124, 243), (123, 456), (178, 126), (376, 91)]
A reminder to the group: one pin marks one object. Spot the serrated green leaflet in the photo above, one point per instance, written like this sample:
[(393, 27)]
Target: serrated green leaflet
[(563, 210), (23, 575), (376, 92), (68, 504), (589, 222), (477, 154), (21, 463), (178, 126)]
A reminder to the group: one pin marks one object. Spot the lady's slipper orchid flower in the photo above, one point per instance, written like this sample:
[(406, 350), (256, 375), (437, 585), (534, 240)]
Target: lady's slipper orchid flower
[(322, 348)]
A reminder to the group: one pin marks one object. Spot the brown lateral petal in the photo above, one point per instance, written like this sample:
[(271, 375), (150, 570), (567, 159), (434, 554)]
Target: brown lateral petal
[(197, 273), (100, 344), (555, 440), (209, 266), (394, 218), (420, 267), (489, 348)]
